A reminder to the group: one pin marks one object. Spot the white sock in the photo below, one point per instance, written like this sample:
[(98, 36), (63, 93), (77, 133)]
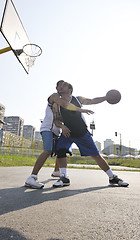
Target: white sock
[(109, 173), (63, 171), (33, 175)]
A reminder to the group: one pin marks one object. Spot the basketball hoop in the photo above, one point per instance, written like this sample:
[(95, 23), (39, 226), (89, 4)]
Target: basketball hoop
[(31, 52), (17, 38)]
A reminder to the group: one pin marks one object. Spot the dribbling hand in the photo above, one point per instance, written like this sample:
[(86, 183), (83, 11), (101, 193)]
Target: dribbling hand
[(87, 111)]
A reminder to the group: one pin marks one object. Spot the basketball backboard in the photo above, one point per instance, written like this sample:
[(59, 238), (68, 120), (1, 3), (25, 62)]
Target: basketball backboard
[(13, 31)]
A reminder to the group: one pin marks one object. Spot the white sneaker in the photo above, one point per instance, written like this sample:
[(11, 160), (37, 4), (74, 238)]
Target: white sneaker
[(55, 174), (33, 183), (63, 181), (120, 182)]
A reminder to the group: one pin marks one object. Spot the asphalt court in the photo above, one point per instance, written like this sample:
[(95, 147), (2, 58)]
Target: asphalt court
[(87, 209)]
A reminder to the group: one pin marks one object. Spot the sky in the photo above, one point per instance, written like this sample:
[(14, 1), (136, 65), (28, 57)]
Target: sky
[(94, 45)]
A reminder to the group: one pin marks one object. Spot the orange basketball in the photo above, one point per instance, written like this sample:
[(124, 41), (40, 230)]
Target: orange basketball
[(113, 96)]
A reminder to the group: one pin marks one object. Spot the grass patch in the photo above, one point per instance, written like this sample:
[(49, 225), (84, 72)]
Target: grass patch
[(135, 163), (125, 162), (13, 161)]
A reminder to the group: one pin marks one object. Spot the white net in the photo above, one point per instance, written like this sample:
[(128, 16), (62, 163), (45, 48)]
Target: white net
[(30, 61)]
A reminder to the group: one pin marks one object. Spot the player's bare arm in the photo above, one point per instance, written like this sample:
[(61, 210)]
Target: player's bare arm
[(58, 121), (56, 113), (87, 101), (55, 98)]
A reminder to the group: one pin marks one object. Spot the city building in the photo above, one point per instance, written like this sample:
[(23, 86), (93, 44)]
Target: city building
[(118, 150), (98, 145), (28, 132), (2, 112), (38, 136), (108, 142), (14, 124)]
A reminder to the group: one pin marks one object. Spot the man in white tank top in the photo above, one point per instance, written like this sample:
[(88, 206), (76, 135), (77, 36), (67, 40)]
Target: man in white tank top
[(47, 130)]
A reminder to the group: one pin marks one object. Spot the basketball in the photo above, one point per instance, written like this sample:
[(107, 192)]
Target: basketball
[(113, 96)]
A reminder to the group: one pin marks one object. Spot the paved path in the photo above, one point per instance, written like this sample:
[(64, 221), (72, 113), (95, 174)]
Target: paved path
[(96, 166), (88, 209)]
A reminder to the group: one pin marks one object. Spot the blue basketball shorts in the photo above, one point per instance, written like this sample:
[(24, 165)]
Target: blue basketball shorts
[(47, 138), (85, 144)]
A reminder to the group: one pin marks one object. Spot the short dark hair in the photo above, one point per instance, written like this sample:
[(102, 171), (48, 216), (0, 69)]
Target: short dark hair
[(70, 87), (59, 82)]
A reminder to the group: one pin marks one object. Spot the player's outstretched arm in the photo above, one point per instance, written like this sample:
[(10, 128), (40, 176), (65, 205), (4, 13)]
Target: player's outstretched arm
[(55, 98), (87, 101)]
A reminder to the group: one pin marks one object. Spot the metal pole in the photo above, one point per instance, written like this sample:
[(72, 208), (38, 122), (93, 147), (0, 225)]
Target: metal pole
[(4, 50), (120, 144)]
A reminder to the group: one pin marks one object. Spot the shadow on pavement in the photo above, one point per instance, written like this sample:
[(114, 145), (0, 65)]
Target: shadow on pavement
[(12, 199), (8, 234)]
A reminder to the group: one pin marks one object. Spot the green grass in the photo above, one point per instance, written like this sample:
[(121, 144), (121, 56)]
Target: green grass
[(125, 162), (12, 161), (116, 162)]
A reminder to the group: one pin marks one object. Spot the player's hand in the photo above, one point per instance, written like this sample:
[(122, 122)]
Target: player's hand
[(65, 131), (87, 111)]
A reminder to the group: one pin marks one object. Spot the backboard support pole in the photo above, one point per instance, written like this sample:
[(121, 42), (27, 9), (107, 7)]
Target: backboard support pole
[(4, 50)]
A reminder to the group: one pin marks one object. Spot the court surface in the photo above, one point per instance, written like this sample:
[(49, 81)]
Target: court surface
[(87, 209)]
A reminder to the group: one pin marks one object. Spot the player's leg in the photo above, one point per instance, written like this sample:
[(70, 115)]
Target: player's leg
[(56, 172), (87, 147), (63, 165), (40, 161), (113, 179), (32, 181), (64, 180), (102, 163), (63, 147)]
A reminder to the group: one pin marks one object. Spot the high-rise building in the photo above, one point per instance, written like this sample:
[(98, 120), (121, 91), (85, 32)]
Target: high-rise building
[(2, 112), (108, 142), (38, 136), (98, 145), (28, 132), (14, 124)]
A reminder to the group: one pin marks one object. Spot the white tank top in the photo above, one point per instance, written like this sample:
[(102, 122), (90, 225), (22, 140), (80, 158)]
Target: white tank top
[(48, 121)]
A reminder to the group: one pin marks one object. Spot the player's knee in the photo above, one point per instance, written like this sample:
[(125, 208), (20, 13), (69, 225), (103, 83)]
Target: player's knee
[(61, 153)]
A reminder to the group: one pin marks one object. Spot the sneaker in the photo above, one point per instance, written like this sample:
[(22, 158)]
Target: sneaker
[(63, 181), (55, 174), (116, 180), (33, 183)]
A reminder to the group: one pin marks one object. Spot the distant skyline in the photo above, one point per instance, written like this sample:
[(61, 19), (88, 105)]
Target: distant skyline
[(94, 45), (105, 143)]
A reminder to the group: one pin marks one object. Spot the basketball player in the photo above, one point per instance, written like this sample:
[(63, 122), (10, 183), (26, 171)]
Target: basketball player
[(47, 129), (79, 135)]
